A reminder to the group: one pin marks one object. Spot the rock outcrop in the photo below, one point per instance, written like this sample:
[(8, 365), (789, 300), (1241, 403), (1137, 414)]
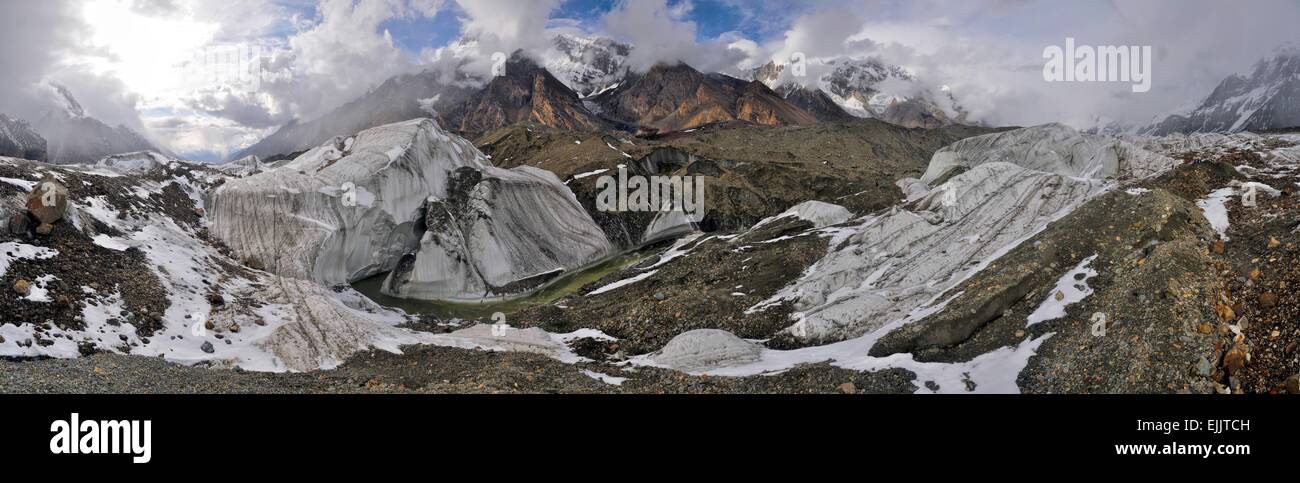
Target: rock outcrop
[(678, 97), (525, 93)]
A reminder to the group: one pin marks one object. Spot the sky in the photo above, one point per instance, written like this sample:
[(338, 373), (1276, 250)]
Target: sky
[(170, 69)]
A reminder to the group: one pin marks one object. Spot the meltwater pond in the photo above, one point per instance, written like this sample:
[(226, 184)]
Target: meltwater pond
[(547, 294)]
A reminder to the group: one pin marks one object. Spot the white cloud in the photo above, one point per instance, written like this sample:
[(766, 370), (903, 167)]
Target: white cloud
[(318, 64), (46, 41), (120, 57), (661, 33)]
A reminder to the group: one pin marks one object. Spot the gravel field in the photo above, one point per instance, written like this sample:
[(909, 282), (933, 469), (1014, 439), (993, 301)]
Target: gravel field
[(427, 370)]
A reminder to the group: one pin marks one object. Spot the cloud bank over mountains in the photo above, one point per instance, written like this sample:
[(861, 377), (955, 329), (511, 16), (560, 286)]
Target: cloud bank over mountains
[(124, 59)]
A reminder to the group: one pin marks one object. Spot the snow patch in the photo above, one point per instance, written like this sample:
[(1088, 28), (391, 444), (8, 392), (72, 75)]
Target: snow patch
[(1216, 211), (622, 283), (1072, 287)]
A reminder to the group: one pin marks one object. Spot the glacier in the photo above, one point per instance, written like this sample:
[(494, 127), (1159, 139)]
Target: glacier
[(979, 198), (414, 201)]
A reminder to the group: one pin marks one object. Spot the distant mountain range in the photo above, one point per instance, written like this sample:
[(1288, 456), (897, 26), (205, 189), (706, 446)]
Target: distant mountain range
[(585, 84), (1269, 98), (862, 88), (398, 99), (678, 97)]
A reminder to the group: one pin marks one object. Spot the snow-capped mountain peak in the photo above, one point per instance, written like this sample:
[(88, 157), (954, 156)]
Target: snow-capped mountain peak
[(867, 88), (588, 65)]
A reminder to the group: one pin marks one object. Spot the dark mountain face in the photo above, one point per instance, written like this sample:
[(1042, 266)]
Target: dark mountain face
[(73, 140), (678, 97), (666, 98), (19, 140), (1268, 99), (815, 101), (525, 93), (399, 99)]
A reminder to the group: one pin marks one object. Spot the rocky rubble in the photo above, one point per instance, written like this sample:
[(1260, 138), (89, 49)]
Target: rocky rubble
[(1254, 329)]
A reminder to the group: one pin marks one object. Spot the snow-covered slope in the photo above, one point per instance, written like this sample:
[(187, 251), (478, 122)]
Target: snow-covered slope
[(1269, 98), (588, 65), (410, 199), (868, 88), (979, 198)]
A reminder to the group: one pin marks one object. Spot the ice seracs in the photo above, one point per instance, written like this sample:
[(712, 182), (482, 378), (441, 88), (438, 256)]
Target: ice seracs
[(410, 199)]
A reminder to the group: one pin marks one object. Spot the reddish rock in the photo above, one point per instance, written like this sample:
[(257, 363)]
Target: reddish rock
[(1267, 300), (1236, 358)]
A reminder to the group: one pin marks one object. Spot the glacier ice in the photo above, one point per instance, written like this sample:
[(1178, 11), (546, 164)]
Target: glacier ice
[(979, 198), (820, 214), (1051, 148), (410, 199), (705, 349)]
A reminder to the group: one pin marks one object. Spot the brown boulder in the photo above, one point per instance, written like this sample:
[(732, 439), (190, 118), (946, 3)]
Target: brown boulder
[(47, 202)]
